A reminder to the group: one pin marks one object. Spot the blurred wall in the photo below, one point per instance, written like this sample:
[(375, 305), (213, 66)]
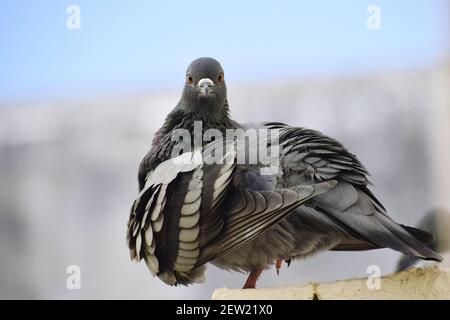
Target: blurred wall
[(439, 137)]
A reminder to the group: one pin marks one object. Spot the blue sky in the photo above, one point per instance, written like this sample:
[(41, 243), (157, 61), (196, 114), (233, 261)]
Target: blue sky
[(126, 47)]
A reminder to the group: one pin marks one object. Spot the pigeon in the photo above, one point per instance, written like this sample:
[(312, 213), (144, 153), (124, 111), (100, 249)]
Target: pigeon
[(436, 221), (200, 201)]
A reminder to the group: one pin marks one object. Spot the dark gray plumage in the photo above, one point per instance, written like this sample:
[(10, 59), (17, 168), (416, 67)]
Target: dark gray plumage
[(188, 214), (437, 221)]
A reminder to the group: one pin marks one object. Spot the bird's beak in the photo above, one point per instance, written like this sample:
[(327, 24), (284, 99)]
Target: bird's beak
[(205, 85)]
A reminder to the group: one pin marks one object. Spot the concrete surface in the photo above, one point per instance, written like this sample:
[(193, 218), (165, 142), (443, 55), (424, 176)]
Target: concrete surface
[(416, 283)]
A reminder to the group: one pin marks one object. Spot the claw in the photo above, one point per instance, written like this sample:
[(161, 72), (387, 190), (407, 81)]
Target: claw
[(278, 264), (252, 278), (288, 261)]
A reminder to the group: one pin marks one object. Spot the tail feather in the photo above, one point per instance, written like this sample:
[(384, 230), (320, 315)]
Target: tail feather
[(422, 235), (367, 221), (414, 240), (414, 251)]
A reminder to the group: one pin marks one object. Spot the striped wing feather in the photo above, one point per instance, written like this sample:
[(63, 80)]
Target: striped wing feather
[(187, 215)]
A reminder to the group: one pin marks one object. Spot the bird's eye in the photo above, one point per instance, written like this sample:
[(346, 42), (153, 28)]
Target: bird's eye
[(189, 79), (220, 78)]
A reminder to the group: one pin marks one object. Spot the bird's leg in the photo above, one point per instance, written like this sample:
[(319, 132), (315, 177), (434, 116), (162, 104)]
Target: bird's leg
[(279, 262), (252, 278)]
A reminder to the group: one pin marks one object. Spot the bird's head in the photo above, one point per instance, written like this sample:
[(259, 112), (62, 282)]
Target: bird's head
[(205, 85)]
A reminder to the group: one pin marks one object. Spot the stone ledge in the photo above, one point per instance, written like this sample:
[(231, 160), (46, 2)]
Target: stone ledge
[(416, 283)]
